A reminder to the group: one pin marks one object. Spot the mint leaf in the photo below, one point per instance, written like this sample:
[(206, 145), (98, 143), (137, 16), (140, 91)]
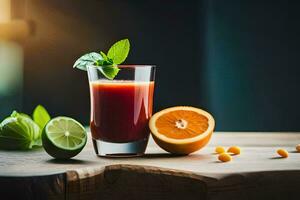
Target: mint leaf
[(103, 55), (104, 62), (92, 58), (41, 116), (109, 71), (119, 51)]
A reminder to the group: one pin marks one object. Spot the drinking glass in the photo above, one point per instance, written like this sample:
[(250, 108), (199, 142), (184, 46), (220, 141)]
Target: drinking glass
[(121, 109)]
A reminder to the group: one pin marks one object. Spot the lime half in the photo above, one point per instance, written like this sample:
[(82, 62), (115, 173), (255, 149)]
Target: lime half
[(63, 137)]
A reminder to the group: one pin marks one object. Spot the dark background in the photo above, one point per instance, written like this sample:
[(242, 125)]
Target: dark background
[(235, 59)]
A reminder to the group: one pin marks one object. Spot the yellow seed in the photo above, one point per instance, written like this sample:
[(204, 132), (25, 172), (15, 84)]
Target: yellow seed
[(224, 157), (298, 148), (283, 153), (219, 149), (234, 149)]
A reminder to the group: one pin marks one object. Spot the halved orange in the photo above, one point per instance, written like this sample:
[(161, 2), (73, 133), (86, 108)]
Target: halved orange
[(182, 129)]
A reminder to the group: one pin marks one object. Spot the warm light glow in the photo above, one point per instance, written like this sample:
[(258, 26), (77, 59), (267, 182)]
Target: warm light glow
[(5, 7)]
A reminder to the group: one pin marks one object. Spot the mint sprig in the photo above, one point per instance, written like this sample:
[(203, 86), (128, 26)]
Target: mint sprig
[(106, 64)]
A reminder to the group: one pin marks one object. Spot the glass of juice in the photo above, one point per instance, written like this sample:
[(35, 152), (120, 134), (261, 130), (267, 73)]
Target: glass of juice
[(121, 109)]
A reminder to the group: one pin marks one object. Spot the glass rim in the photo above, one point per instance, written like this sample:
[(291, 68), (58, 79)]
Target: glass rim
[(128, 66)]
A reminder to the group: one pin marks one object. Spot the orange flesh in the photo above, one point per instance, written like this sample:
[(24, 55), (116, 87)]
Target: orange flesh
[(195, 124)]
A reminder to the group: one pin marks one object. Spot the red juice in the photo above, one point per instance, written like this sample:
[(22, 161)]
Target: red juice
[(120, 110)]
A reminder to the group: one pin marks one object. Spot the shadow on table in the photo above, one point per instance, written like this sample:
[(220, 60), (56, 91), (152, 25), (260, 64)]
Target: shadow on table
[(69, 161), (160, 155), (276, 158), (293, 151), (145, 156)]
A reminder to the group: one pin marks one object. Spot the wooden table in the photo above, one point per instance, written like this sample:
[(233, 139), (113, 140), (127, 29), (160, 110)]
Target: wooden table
[(255, 174)]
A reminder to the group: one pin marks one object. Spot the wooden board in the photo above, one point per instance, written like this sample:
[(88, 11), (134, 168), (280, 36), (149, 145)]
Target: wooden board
[(255, 174)]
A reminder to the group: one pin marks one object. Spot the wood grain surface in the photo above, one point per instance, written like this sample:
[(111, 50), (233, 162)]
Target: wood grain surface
[(255, 174)]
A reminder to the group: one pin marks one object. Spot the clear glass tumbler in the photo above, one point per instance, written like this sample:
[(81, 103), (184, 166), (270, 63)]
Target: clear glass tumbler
[(121, 109)]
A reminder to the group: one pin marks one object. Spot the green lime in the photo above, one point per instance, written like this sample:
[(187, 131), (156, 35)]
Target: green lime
[(63, 137)]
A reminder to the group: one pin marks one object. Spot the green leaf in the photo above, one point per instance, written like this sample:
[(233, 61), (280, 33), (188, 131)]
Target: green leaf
[(103, 55), (109, 71), (41, 116), (104, 63), (119, 51), (92, 58)]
